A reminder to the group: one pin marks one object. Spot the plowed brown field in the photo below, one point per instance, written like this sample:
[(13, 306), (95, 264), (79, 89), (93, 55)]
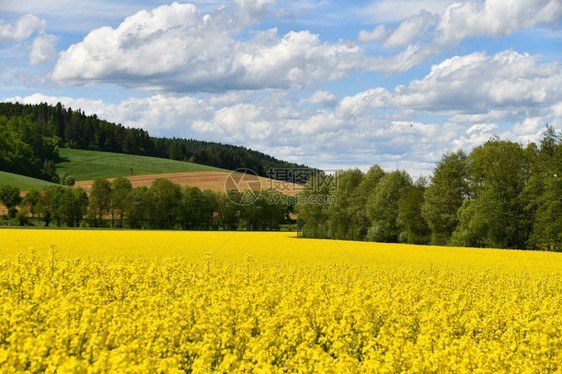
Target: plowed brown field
[(211, 180)]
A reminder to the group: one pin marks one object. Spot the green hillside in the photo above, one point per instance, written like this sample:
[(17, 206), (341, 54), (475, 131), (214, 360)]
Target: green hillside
[(86, 165), (22, 182), (31, 134)]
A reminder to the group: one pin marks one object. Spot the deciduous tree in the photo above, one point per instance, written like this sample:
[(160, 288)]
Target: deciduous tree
[(121, 189), (100, 199), (448, 188), (383, 207)]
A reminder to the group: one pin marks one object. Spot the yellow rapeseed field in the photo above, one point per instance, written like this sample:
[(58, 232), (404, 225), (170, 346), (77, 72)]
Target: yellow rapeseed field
[(139, 301)]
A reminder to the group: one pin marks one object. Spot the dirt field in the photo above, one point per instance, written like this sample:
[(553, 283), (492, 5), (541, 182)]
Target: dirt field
[(212, 180), (205, 180)]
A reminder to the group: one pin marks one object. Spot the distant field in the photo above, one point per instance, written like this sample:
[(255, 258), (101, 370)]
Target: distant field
[(86, 165), (22, 182), (211, 180)]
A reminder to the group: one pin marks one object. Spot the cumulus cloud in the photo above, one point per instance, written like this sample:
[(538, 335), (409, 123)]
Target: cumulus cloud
[(370, 99), (173, 48), (252, 10), (461, 20), (157, 114), (378, 34), (411, 29), (202, 54), (324, 98), (494, 18), (507, 81), (464, 100), (398, 10), (412, 55), (42, 49), (460, 103), (21, 29)]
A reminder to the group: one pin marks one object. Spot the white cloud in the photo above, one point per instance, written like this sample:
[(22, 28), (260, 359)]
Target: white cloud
[(378, 34), (529, 127), (201, 54), (411, 56), (82, 17), (477, 84), (460, 20), (89, 106), (487, 116), (21, 29), (252, 10), (324, 98), (42, 49), (157, 114), (481, 127), (411, 29), (460, 103), (229, 98), (494, 18), (383, 11), (370, 99)]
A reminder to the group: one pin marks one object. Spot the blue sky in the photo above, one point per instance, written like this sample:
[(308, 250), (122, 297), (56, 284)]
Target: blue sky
[(331, 84)]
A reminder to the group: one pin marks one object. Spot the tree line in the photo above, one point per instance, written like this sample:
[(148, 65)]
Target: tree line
[(27, 148), (501, 195), (163, 205), (30, 136)]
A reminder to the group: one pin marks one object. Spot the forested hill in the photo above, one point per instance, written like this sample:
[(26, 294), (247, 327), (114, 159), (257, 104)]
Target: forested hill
[(31, 134)]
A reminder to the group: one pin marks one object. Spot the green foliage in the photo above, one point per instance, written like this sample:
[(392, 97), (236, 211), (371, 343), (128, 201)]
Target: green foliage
[(442, 200), (212, 199), (358, 207), (342, 220), (194, 209), (139, 207), (543, 193), (383, 207), (499, 175), (74, 206), (121, 189), (15, 154), (473, 227), (12, 212), (315, 217), (67, 180), (275, 211), (165, 205), (100, 200), (501, 195), (52, 197), (9, 196), (30, 202), (50, 171), (228, 212), (22, 217), (27, 148), (42, 128), (166, 198), (262, 214), (414, 228)]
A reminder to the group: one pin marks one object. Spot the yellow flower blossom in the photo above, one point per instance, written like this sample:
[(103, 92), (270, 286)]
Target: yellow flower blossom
[(171, 302)]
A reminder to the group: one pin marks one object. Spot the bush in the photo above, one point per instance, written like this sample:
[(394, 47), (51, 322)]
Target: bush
[(22, 218), (67, 180), (12, 211)]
